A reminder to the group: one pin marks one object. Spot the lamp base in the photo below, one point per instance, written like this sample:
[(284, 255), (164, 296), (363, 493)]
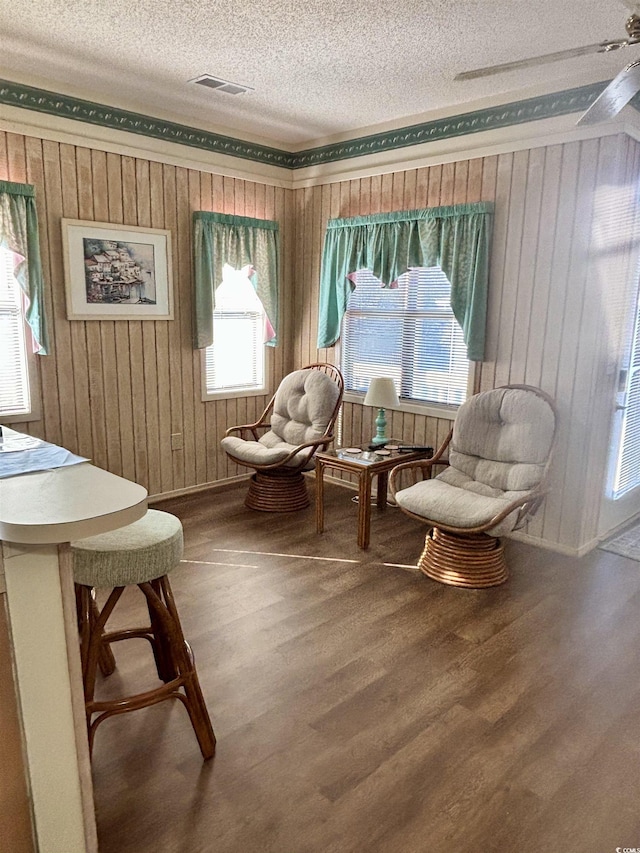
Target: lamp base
[(377, 441), (380, 437)]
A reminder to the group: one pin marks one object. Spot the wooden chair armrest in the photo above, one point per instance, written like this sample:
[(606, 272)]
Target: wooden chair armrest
[(252, 428), (418, 465), (312, 446), (526, 505)]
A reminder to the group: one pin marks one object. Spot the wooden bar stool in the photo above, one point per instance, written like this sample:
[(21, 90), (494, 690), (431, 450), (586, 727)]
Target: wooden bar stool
[(143, 553)]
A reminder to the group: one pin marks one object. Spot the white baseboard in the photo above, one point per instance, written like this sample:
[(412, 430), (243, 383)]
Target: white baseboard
[(628, 522), (201, 487), (558, 547)]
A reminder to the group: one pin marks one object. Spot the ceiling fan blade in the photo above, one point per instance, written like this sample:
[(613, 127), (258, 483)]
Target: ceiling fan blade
[(600, 47), (618, 93)]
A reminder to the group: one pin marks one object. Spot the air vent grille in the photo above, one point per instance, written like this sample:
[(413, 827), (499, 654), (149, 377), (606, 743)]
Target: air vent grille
[(220, 85)]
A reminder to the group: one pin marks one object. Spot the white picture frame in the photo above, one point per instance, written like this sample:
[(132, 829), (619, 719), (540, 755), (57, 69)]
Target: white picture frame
[(116, 272)]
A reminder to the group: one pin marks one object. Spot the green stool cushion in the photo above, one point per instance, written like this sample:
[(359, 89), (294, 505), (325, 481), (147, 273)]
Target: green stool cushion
[(140, 552)]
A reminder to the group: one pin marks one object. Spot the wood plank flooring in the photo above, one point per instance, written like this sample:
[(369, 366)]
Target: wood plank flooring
[(361, 708)]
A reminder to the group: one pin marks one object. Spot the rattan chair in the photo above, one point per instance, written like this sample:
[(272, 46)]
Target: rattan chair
[(280, 445), (495, 478)]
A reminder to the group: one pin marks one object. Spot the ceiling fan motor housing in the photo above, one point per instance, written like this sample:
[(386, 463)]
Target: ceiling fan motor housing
[(633, 26)]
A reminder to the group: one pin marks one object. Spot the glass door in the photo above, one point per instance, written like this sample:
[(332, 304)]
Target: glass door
[(625, 468)]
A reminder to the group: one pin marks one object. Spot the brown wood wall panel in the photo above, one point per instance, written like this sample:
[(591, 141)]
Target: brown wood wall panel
[(545, 302), (116, 391)]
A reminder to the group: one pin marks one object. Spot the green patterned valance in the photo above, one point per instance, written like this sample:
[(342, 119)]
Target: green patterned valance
[(19, 234), (219, 239), (454, 238)]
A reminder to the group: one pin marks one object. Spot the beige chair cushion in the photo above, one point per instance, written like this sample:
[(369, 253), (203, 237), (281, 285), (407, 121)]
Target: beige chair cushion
[(303, 407), (142, 551), (502, 438), (458, 501), (259, 453), (498, 452)]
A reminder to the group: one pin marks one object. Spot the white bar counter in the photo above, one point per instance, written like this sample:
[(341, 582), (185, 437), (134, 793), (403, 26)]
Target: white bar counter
[(40, 513)]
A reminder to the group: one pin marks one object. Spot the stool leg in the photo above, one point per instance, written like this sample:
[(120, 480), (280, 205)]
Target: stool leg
[(88, 615), (196, 705), (83, 610), (168, 623), (159, 642), (94, 650), (106, 660)]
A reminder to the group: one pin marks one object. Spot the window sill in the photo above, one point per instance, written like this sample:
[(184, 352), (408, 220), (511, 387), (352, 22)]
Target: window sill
[(22, 418), (233, 395), (429, 410)]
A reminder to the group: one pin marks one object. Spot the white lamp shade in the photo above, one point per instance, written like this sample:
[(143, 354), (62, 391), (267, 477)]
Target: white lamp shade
[(382, 394)]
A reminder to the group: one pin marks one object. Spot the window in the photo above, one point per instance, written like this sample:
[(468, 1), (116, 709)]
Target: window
[(234, 363), (15, 345), (408, 333)]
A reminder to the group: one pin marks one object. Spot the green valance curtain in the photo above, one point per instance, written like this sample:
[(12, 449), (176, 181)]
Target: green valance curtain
[(221, 238), (19, 234), (454, 238)]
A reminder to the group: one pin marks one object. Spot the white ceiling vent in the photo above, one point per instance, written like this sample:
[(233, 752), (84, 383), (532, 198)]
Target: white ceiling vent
[(221, 85)]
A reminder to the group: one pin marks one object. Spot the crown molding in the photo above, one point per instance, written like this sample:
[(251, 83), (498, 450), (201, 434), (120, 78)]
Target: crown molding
[(67, 132), (546, 132), (477, 121)]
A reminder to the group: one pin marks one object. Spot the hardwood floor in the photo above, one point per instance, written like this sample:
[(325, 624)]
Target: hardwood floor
[(361, 708)]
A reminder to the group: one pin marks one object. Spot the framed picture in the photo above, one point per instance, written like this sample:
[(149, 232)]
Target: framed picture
[(116, 272)]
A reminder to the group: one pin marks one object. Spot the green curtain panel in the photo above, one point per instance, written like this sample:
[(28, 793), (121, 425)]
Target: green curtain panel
[(220, 238), (19, 234), (456, 239)]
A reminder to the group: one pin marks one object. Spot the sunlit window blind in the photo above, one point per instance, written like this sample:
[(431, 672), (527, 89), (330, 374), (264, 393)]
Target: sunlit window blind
[(627, 473), (235, 361), (14, 373), (408, 333)]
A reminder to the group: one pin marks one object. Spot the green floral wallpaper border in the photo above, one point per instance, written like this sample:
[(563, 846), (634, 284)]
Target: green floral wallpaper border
[(504, 115), (65, 106)]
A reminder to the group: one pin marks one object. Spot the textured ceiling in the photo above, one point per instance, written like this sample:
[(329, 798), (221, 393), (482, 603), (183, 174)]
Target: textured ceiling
[(319, 70)]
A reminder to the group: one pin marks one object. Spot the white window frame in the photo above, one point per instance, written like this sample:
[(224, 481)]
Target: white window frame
[(229, 394), (34, 413), (427, 409)]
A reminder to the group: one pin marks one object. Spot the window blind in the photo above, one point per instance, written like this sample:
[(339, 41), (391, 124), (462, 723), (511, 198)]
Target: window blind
[(234, 362), (627, 474), (408, 333), (14, 373)]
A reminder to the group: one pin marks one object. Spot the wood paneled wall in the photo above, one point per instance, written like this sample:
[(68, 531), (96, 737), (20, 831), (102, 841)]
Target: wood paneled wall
[(116, 391), (549, 283)]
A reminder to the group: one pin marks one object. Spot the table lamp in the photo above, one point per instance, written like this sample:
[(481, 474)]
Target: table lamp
[(382, 395)]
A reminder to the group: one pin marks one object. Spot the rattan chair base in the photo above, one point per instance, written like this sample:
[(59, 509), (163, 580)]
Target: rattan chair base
[(277, 491), (476, 561)]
